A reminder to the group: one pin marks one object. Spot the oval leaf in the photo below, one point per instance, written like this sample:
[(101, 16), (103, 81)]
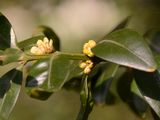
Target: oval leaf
[(61, 70), (126, 47)]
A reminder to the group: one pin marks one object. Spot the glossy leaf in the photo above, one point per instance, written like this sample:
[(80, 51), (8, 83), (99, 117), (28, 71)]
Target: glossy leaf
[(149, 87), (126, 47), (28, 43), (38, 73), (9, 91), (86, 100), (62, 69), (38, 78), (49, 75), (103, 80), (49, 33), (7, 35)]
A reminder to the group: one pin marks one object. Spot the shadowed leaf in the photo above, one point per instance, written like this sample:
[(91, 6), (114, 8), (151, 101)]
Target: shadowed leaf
[(9, 91), (49, 33), (149, 87), (7, 35), (8, 67), (135, 102), (103, 80), (38, 78)]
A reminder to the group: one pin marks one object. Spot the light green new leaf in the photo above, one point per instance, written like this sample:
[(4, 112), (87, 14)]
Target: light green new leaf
[(126, 47)]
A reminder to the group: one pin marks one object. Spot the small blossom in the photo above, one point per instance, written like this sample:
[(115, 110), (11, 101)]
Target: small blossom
[(82, 65), (87, 70), (87, 66), (87, 48), (43, 47)]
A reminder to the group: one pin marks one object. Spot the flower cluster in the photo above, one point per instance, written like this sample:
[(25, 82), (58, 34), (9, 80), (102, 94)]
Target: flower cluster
[(87, 66), (43, 47), (87, 48)]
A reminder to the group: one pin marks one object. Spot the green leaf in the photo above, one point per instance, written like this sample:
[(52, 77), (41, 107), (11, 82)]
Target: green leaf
[(7, 35), (9, 91), (157, 59), (106, 72), (38, 78), (28, 43), (152, 102), (86, 100), (126, 47), (11, 55), (149, 87), (155, 104), (49, 33), (8, 67), (50, 74), (134, 89), (136, 103), (61, 70)]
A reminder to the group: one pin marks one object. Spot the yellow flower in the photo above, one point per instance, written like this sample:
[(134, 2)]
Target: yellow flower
[(43, 47), (87, 66), (87, 48)]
